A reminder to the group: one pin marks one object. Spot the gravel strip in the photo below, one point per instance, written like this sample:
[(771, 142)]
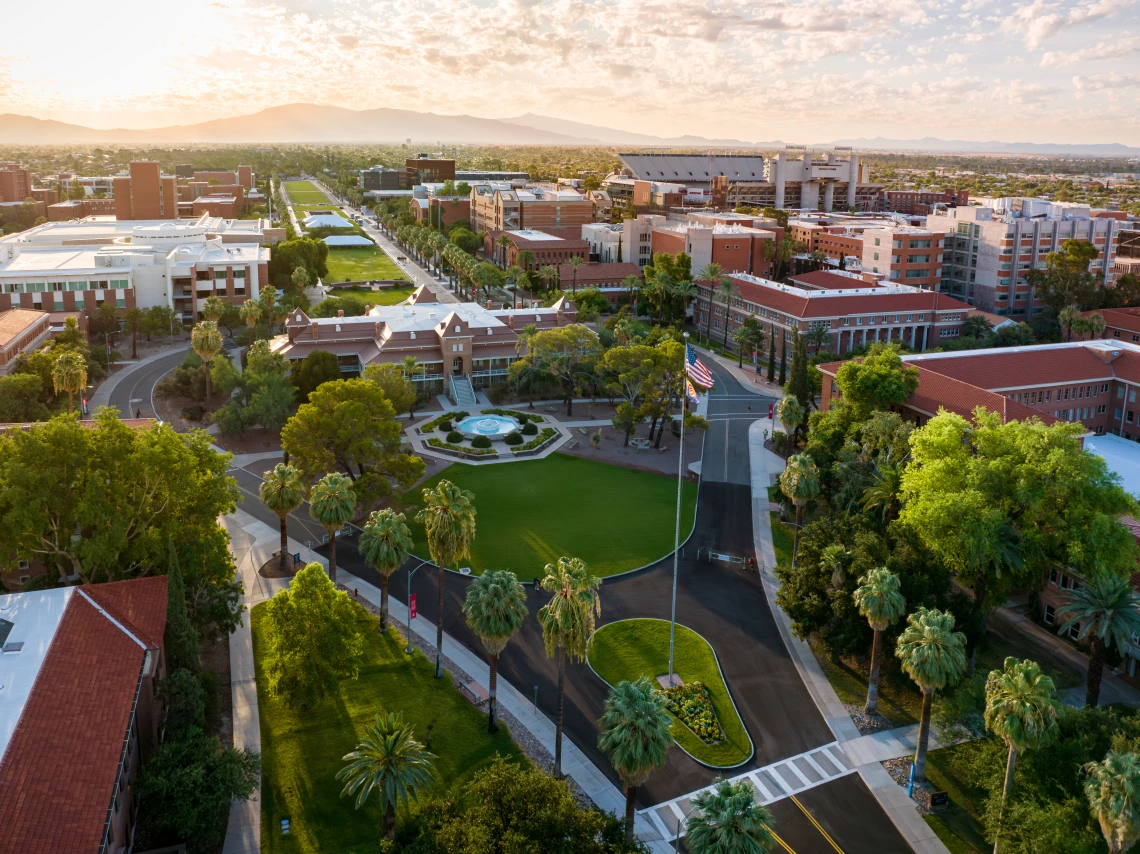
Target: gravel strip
[(867, 723)]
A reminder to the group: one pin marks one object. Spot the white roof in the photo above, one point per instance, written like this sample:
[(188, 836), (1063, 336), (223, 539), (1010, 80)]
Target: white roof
[(347, 240), (1121, 456), (533, 234), (326, 220)]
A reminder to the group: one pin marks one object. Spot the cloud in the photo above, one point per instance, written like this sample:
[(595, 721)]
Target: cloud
[(1105, 82), (1042, 20), (347, 41), (1116, 48)]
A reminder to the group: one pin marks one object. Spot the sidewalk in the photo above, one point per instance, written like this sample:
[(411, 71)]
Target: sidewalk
[(864, 750), (746, 376)]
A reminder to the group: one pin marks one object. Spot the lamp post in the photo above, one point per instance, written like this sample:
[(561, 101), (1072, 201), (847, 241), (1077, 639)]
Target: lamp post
[(681, 826), (677, 532), (412, 572)]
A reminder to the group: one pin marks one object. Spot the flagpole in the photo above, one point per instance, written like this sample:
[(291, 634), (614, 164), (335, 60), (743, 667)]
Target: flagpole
[(677, 530)]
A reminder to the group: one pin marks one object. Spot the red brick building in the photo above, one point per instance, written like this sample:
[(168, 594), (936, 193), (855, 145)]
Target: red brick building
[(548, 246), (21, 330), (920, 201), (80, 208), (15, 182), (146, 193)]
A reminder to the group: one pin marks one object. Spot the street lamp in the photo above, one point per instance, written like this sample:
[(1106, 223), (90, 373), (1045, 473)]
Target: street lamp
[(680, 826), (412, 572)]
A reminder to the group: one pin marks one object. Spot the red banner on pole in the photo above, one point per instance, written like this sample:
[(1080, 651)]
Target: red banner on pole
[(412, 605), (771, 409)]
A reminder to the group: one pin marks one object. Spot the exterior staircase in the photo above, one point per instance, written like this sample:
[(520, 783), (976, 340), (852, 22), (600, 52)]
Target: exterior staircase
[(462, 394)]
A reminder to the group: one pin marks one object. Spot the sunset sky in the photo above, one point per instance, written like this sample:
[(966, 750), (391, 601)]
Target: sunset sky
[(797, 71)]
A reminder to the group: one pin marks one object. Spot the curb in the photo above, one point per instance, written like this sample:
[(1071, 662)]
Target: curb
[(112, 382)]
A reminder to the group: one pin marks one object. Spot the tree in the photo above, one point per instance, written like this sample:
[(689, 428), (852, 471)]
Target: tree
[(791, 415), (575, 262), (134, 318), (282, 491), (976, 326), (772, 355), (250, 313), (395, 385), (567, 622), (783, 358), (550, 275), (185, 701), (1069, 317), (350, 426), (390, 761), (800, 483), (725, 291), (316, 369), (385, 544), (729, 821), (495, 608), (1113, 792), (817, 336), (448, 518), (212, 308), (799, 384), (207, 342), (332, 503), (879, 600), (1094, 324), (1020, 710), (635, 736), (312, 639), (21, 398), (1106, 611), (181, 639), (561, 352), (934, 656), (749, 335), (69, 373), (878, 381), (629, 283)]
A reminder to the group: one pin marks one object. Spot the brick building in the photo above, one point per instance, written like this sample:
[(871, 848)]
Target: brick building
[(21, 330), (380, 178), (904, 254), (551, 246), (146, 193), (737, 248), (423, 169), (15, 182), (80, 209), (440, 211), (920, 202), (496, 209)]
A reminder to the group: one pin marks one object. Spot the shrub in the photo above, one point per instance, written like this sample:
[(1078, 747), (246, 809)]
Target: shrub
[(693, 705), (454, 437), (193, 413), (513, 439), (480, 442), (446, 426), (547, 434), (498, 394), (529, 428)]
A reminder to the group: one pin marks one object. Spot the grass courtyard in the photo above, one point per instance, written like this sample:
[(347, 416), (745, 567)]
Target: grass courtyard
[(531, 513), (305, 193), (631, 648), (301, 752), (358, 265)]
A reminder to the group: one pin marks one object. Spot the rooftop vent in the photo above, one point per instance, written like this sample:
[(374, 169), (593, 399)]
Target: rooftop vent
[(15, 646)]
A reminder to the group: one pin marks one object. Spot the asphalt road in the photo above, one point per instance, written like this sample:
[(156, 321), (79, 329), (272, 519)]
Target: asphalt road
[(135, 391)]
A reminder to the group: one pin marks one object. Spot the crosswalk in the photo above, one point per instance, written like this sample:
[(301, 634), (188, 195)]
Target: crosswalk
[(773, 782)]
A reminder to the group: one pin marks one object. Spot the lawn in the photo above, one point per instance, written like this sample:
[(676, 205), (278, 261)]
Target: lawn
[(305, 193), (631, 648), (364, 296), (531, 513), (301, 752), (358, 265)]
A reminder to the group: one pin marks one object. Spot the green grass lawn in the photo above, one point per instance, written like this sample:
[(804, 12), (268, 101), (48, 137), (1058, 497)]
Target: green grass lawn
[(783, 539), (301, 752), (531, 513), (632, 648), (358, 265), (305, 193), (363, 296)]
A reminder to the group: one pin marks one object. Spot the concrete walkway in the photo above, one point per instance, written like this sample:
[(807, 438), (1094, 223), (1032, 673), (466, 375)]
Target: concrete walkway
[(866, 752)]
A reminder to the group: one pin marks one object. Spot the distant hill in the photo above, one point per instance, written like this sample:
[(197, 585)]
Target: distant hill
[(613, 136), (959, 146)]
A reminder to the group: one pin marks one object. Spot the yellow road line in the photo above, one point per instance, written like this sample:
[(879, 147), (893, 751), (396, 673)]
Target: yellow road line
[(785, 845), (817, 825)]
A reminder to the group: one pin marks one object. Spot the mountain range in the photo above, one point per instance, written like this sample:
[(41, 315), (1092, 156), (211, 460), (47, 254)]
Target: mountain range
[(314, 123)]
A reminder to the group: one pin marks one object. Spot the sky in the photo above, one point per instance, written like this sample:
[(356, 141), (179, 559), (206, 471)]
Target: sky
[(801, 71)]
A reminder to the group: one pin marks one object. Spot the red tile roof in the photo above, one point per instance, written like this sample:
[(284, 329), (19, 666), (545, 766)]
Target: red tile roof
[(1119, 318), (140, 602), (882, 301), (58, 775), (1018, 367), (825, 280), (588, 273)]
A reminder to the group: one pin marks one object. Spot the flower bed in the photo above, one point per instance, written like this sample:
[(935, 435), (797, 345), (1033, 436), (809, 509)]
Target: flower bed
[(521, 417), (447, 416), (693, 706), (461, 449), (542, 438)]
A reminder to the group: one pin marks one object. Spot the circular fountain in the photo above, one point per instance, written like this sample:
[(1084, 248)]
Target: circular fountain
[(492, 426)]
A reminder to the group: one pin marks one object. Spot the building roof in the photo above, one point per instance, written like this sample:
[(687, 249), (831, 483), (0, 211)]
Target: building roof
[(347, 240), (325, 220), (15, 321), (600, 272), (1120, 318), (824, 280), (878, 299), (1122, 456), (1019, 367), (693, 168)]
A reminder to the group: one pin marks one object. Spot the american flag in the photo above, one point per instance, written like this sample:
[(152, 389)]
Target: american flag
[(696, 369)]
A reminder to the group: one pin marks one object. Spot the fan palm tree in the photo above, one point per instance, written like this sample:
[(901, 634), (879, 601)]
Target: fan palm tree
[(513, 274), (207, 342), (385, 544), (749, 335), (524, 336), (69, 373), (1094, 324), (1020, 710), (629, 283), (567, 622), (1107, 611), (684, 290), (213, 308), (1069, 317), (879, 600), (883, 494), (504, 244), (525, 259), (1113, 791), (133, 320), (282, 491), (729, 821), (390, 761), (791, 414), (725, 291), (332, 503), (976, 326), (575, 262), (550, 276), (934, 656), (411, 367), (658, 285), (800, 483), (635, 736), (495, 609), (449, 520), (250, 312), (817, 336)]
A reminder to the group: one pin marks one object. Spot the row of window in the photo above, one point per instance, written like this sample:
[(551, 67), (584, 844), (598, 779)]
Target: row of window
[(1078, 393), (1079, 414), (49, 287)]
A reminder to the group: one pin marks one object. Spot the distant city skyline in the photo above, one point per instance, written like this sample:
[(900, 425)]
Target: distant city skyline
[(797, 71)]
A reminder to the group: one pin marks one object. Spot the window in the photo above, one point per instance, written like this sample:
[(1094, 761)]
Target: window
[(1049, 615)]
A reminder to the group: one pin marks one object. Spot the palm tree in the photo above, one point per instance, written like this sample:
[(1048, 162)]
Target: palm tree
[(1095, 324), (976, 326), (213, 308), (525, 258), (879, 600), (635, 735), (659, 285), (504, 242), (385, 544), (1107, 612), (206, 341), (250, 312), (69, 373), (934, 656), (833, 559), (575, 262), (1069, 317), (729, 821), (790, 412), (282, 491), (749, 334), (883, 494), (449, 519), (712, 274), (686, 291), (817, 336), (391, 761), (1113, 790), (629, 283), (134, 319), (725, 291), (800, 483), (1020, 709), (332, 503), (550, 275), (513, 274), (411, 366), (567, 622), (524, 336), (495, 609)]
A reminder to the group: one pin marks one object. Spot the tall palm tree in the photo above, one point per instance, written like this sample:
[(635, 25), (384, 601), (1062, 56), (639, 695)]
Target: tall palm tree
[(817, 336), (575, 262), (1094, 324), (449, 519), (800, 483), (934, 656), (282, 491), (513, 274), (686, 291), (504, 243), (133, 319), (495, 609), (567, 622), (659, 285), (411, 366), (879, 600), (1107, 610), (729, 821), (69, 373), (883, 494), (1020, 710), (250, 312), (635, 736), (390, 761), (629, 283), (332, 503), (790, 412), (385, 544), (207, 342), (725, 291), (213, 308), (524, 336), (525, 259), (550, 276), (749, 335), (1113, 791), (1069, 317)]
